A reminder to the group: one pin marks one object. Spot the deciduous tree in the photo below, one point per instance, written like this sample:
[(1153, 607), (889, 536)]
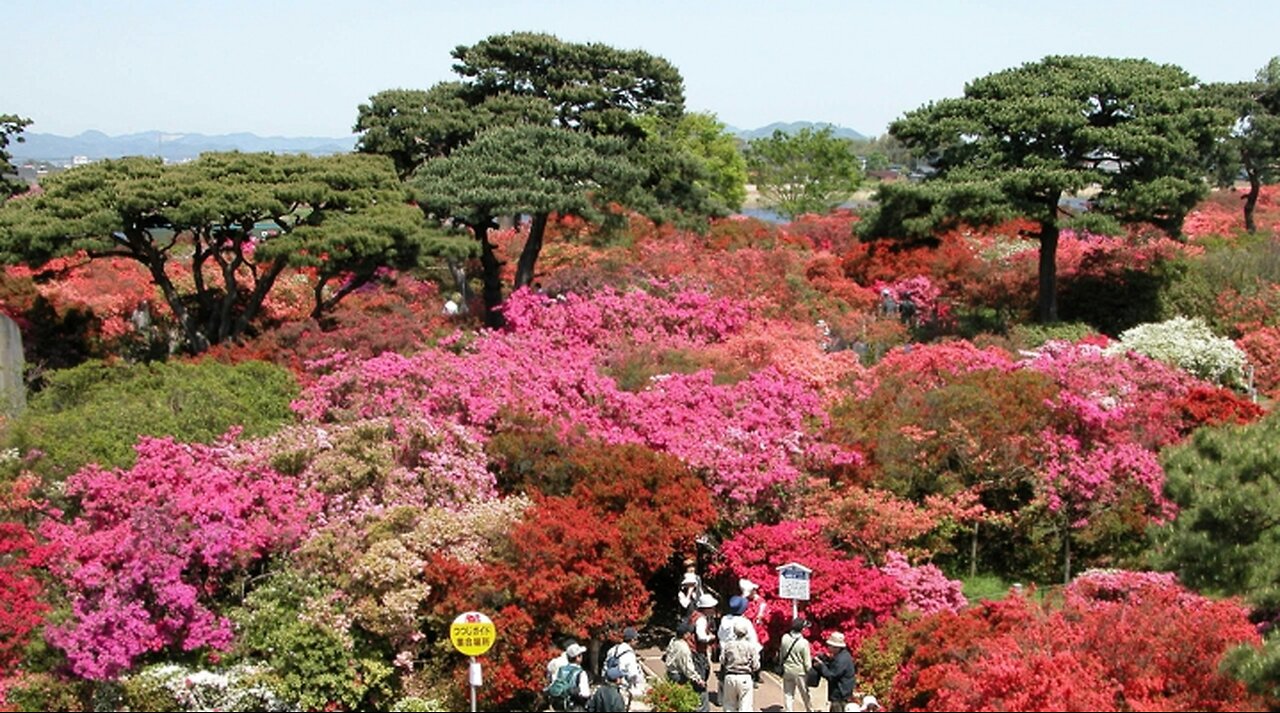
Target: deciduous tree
[(806, 172)]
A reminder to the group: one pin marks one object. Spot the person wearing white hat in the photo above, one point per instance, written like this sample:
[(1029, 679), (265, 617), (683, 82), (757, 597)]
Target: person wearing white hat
[(837, 668), (687, 597), (757, 609), (704, 637), (578, 690), (869, 703)]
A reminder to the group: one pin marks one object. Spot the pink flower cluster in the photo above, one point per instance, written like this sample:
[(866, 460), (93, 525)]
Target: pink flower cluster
[(145, 554)]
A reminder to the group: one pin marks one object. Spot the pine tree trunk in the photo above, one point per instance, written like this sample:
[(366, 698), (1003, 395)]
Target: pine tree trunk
[(1047, 307), (532, 248), (491, 274), (1251, 202)]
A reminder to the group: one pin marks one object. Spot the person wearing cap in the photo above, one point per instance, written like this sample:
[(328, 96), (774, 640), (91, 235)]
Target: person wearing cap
[(581, 691), (739, 660), (680, 665), (837, 668), (628, 664), (555, 664), (869, 703), (607, 697), (737, 609), (797, 657)]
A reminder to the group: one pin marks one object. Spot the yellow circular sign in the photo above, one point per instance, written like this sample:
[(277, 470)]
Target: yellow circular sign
[(472, 633)]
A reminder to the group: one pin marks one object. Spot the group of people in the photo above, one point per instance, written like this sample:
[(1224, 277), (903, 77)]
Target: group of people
[(738, 639), (569, 685)]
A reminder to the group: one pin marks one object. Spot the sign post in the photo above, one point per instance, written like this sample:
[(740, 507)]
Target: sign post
[(793, 584), (472, 634)]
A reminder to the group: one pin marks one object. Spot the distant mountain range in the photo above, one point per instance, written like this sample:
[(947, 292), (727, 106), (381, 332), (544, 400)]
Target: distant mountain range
[(178, 147), (793, 127), (172, 146)]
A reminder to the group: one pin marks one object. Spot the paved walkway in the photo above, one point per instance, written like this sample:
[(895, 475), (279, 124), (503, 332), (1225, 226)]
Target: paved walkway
[(768, 696)]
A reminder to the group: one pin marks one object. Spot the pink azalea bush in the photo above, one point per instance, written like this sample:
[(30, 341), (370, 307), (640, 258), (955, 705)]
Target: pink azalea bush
[(144, 556), (752, 438)]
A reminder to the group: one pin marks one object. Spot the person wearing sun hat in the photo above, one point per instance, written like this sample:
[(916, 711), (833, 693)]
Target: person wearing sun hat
[(687, 596), (837, 667), (704, 637)]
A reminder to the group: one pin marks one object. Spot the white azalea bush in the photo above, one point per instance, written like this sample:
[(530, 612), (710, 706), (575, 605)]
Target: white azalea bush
[(171, 687), (1188, 344)]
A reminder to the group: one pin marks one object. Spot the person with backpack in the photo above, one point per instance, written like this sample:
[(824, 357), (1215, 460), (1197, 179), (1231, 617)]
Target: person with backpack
[(795, 657), (607, 697), (572, 686), (558, 662), (681, 667), (622, 660), (837, 668)]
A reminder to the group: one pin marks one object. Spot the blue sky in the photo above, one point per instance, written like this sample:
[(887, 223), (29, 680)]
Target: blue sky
[(300, 68)]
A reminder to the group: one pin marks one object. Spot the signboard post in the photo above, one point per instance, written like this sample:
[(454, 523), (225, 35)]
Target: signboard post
[(472, 634), (793, 584)]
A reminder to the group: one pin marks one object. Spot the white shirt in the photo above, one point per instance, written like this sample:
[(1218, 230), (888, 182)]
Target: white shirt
[(630, 665), (725, 633)]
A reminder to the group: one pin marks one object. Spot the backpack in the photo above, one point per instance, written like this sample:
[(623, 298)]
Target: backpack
[(565, 683), (613, 662)]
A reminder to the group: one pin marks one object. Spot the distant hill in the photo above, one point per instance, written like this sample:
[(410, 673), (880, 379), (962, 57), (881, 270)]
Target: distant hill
[(794, 127), (172, 146)]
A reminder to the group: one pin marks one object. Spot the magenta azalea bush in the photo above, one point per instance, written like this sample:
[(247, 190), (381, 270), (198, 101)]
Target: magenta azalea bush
[(144, 558)]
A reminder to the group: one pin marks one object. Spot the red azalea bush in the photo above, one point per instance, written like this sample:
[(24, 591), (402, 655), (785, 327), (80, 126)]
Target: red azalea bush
[(22, 557), (1120, 645), (846, 593)]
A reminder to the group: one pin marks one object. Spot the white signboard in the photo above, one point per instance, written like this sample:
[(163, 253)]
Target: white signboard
[(793, 581)]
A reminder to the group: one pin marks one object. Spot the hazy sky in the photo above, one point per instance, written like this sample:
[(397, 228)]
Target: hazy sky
[(300, 68)]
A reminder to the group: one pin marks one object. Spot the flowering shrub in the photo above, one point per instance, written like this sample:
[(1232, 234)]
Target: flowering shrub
[(1159, 651), (150, 544), (1263, 349), (22, 556), (846, 594), (172, 687), (928, 589), (1188, 344)]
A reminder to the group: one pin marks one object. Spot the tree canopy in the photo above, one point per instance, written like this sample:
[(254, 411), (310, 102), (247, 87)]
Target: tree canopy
[(1252, 147), (242, 218), (537, 80), (1022, 139), (806, 172), (11, 127)]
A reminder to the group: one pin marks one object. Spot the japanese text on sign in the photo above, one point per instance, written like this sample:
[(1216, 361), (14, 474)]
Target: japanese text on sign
[(472, 633), (793, 582)]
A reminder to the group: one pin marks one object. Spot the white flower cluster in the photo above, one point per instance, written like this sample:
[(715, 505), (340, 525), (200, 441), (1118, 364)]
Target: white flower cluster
[(1188, 344), (238, 688)]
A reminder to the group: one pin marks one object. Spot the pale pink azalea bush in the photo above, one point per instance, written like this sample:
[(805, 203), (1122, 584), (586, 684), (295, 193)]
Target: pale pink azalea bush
[(928, 590), (144, 556)]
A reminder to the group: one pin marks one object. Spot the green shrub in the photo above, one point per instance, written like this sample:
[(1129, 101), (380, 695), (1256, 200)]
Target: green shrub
[(95, 412), (1034, 336), (668, 696)]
